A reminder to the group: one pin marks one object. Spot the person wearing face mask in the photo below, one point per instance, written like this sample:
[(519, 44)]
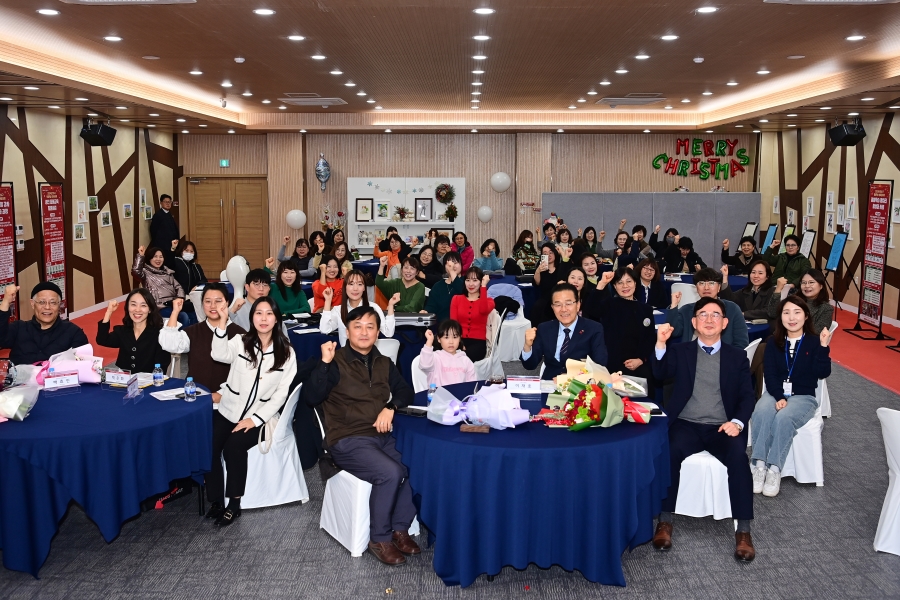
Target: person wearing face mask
[(353, 295), (741, 260), (45, 334), (442, 292), (814, 292), (159, 280), (660, 248), (188, 273), (411, 292), (791, 265), (471, 311), (301, 256), (524, 257), (196, 340), (287, 293), (137, 338), (628, 326)]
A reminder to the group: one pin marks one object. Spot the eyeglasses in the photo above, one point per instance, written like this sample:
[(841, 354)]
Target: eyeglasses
[(808, 283), (706, 284), (569, 304), (790, 245), (47, 303), (260, 284), (705, 316)]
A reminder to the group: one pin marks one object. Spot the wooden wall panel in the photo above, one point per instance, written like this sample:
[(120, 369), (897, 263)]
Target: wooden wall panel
[(285, 172), (622, 163), (533, 177), (475, 157), (200, 154)]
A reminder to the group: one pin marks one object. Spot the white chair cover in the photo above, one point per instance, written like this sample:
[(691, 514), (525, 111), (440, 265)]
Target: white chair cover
[(276, 477), (419, 378), (751, 349), (804, 459), (887, 536), (195, 296), (490, 364), (345, 512), (703, 489), (388, 347), (822, 390), (689, 293), (512, 337)]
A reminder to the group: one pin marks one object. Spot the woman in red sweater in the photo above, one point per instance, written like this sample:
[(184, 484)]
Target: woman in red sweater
[(472, 310), (330, 277)]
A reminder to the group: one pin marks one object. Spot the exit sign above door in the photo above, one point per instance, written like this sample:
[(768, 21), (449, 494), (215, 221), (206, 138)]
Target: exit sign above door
[(224, 163)]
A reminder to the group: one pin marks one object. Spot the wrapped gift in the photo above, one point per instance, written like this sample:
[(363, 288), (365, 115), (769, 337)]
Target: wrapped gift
[(490, 405)]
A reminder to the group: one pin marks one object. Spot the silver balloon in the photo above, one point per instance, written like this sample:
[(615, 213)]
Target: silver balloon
[(323, 171), (500, 182)]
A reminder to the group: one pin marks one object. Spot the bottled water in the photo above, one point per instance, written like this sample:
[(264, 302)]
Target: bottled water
[(190, 390), (431, 390), (158, 378)]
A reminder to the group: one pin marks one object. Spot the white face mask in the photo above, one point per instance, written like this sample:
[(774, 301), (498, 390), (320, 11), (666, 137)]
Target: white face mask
[(188, 256)]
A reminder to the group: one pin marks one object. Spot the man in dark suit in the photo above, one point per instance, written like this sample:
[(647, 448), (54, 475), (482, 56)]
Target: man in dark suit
[(164, 229), (567, 336), (711, 404)]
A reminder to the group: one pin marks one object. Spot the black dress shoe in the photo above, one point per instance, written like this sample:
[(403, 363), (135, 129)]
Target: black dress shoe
[(228, 517), (215, 510)]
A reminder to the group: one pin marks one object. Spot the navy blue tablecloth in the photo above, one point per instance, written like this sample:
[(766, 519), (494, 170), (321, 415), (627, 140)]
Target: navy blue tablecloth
[(534, 494), (92, 449)]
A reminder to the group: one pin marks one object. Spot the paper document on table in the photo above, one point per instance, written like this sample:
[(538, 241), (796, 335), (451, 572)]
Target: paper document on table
[(175, 394), (650, 406), (658, 312), (301, 330), (525, 285)]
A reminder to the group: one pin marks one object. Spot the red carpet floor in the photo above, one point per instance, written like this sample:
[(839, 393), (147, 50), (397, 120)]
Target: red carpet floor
[(89, 324), (870, 359)]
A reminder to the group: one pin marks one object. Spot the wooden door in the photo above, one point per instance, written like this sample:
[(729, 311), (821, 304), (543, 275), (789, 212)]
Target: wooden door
[(251, 220), (209, 224)]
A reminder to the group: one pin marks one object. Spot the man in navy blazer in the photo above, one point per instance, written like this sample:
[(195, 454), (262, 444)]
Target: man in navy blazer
[(710, 405), (567, 336)]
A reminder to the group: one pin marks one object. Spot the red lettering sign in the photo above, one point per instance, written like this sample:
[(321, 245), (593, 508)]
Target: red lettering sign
[(877, 219), (7, 244), (54, 227)]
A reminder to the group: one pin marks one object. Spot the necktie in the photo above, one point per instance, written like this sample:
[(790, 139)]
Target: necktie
[(564, 349), (646, 295), (708, 349)]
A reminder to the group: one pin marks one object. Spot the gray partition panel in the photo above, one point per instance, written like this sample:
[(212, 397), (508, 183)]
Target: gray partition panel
[(576, 209), (693, 214), (733, 210), (636, 207)]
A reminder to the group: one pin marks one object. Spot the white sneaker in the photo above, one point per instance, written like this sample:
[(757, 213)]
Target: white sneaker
[(773, 484), (759, 476)]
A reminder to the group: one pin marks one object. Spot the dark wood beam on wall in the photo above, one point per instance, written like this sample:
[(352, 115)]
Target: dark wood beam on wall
[(107, 196), (94, 269)]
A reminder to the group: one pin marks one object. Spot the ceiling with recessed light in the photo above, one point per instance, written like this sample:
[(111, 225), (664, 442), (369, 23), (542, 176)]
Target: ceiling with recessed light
[(326, 65)]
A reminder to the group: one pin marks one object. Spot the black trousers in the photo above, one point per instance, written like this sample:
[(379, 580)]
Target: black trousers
[(686, 438), (233, 447), (475, 349)]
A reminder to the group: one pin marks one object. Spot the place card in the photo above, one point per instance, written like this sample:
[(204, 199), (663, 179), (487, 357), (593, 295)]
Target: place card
[(62, 379), (116, 377), (523, 384)]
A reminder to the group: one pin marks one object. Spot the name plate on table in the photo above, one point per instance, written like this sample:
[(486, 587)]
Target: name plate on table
[(61, 380), (523, 384), (118, 377)]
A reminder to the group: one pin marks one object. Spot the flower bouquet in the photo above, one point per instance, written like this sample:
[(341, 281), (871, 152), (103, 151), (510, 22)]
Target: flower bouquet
[(402, 212)]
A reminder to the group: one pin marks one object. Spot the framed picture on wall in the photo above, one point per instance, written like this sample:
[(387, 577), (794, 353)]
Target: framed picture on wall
[(851, 208), (810, 202), (82, 211), (829, 223), (791, 217), (805, 223), (126, 211), (840, 214), (807, 243), (776, 206), (93, 203), (829, 202), (364, 209), (148, 213), (423, 209), (382, 210), (143, 197), (105, 219), (895, 211), (79, 232)]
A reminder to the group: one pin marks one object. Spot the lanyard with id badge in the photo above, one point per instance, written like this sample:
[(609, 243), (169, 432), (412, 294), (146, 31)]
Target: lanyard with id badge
[(787, 385)]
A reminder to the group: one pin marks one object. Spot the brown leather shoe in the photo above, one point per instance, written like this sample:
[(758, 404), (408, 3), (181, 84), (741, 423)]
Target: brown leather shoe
[(743, 547), (405, 544), (662, 539), (387, 553)]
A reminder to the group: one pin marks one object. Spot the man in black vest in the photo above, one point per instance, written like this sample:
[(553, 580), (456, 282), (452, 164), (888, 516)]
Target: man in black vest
[(164, 229), (358, 421)]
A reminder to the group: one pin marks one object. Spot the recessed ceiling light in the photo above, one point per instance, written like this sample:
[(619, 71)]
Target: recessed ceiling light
[(476, 83), (479, 57), (203, 125), (296, 38), (476, 107), (226, 84), (337, 72), (792, 115), (5, 99), (559, 131), (763, 120), (31, 87), (150, 57), (646, 131), (582, 100), (154, 114), (573, 106), (667, 107), (707, 93), (796, 56), (478, 72), (92, 114), (866, 99), (122, 107), (379, 108), (264, 11), (387, 130), (669, 38), (247, 94), (318, 57), (642, 56), (48, 11), (151, 125), (621, 71), (476, 93), (370, 101), (756, 131), (282, 107), (196, 72), (184, 131), (824, 108), (731, 83), (53, 106), (123, 120), (81, 99), (302, 131), (484, 11), (267, 102), (605, 83), (709, 131), (707, 9), (894, 107), (231, 131), (852, 114), (350, 84), (792, 125), (855, 38), (820, 120), (181, 120), (763, 72), (474, 131), (592, 93), (685, 101), (360, 93), (475, 100), (113, 38), (738, 125), (481, 38)]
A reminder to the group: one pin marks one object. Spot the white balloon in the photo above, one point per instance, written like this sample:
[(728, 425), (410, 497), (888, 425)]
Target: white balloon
[(296, 219), (237, 270), (500, 182), (485, 214)]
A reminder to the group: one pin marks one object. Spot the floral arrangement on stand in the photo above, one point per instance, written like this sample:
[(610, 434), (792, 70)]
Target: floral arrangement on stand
[(402, 212), (681, 188), (329, 223), (718, 188), (451, 213), (445, 194)]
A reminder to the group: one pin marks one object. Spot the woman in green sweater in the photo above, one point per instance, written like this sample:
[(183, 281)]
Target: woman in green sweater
[(791, 265), (412, 292), (443, 291), (286, 292)]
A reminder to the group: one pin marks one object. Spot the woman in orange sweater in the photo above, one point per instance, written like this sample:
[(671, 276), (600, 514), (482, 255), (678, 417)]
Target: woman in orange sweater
[(330, 277), (395, 255), (472, 310)]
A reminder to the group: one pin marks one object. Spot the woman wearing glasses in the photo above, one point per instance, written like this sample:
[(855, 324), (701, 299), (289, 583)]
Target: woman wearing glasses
[(791, 265), (814, 292)]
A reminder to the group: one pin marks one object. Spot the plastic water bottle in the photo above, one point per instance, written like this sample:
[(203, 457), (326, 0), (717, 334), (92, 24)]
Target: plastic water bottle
[(158, 378), (432, 388), (190, 390)]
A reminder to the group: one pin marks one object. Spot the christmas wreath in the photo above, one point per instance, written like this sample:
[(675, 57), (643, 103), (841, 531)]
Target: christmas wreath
[(444, 193)]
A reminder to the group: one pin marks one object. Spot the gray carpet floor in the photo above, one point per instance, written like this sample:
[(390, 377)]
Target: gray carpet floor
[(811, 543)]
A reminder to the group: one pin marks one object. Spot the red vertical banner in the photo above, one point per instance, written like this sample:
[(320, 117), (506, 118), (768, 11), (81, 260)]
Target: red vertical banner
[(54, 228), (8, 244), (877, 223)]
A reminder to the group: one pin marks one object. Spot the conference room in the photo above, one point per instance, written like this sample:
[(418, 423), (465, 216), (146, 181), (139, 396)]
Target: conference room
[(340, 299)]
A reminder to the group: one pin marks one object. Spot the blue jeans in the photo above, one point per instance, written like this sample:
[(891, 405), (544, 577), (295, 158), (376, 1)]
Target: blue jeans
[(773, 430), (183, 318)]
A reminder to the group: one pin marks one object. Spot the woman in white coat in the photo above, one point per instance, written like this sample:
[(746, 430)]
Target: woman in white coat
[(262, 369)]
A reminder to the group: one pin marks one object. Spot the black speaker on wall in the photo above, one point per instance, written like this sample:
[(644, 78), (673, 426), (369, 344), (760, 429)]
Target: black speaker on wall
[(848, 134), (98, 134)]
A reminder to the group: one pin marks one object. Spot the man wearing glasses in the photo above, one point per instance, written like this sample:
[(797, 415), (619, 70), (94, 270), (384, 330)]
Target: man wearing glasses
[(791, 265), (710, 406), (45, 334), (256, 285), (708, 282), (567, 336)]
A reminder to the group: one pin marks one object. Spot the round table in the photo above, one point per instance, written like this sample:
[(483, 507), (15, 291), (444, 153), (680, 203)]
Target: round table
[(93, 449), (534, 494)]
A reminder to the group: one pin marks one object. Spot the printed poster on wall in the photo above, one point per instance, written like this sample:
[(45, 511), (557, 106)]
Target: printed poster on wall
[(54, 229), (876, 253), (8, 245)]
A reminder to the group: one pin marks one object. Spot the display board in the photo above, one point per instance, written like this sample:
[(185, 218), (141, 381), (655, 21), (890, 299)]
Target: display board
[(8, 245), (691, 213), (54, 231), (877, 218), (837, 251)]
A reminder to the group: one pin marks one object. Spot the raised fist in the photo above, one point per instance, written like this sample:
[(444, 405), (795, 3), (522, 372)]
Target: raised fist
[(824, 337), (725, 245), (328, 294), (383, 259), (112, 306), (485, 280), (656, 229), (530, 334), (676, 298), (10, 291), (663, 333), (724, 270), (622, 223), (394, 300), (775, 244), (238, 304), (270, 263), (328, 351), (287, 240), (606, 278), (677, 238), (601, 235), (177, 305), (141, 250)]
